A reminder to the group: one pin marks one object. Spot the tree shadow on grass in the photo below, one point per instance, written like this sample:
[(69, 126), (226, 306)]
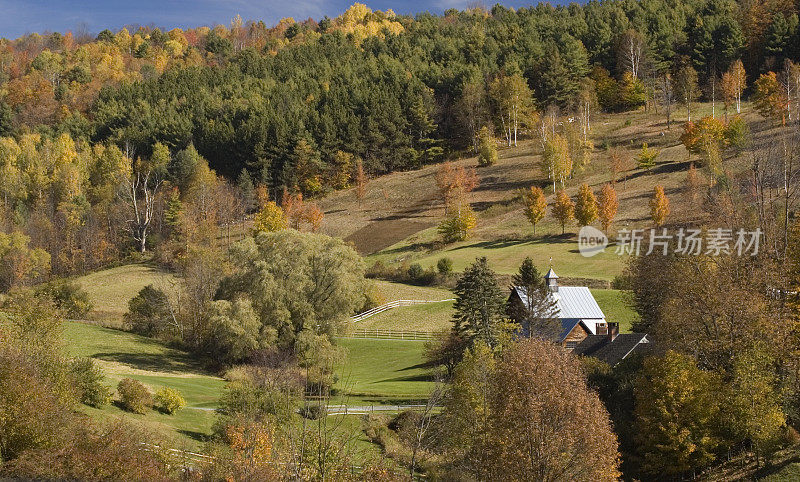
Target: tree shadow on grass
[(772, 469), (198, 436), (421, 377), (506, 243), (150, 362)]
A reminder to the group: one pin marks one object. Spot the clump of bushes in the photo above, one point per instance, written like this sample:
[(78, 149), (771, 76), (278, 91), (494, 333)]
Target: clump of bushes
[(169, 401), (69, 297), (312, 412), (134, 396), (88, 380), (412, 274)]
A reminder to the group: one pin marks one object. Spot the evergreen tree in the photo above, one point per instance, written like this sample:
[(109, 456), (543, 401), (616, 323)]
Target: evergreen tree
[(480, 305), (247, 191), (538, 311)]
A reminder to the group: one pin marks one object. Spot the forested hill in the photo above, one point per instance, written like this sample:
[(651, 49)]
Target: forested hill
[(298, 103)]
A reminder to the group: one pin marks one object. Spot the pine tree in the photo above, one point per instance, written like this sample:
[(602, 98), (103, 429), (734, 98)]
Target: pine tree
[(586, 206), (538, 311), (480, 305), (608, 205), (659, 206), (563, 209), (535, 205)]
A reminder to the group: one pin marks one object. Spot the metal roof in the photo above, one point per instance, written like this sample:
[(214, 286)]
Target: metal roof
[(575, 302)]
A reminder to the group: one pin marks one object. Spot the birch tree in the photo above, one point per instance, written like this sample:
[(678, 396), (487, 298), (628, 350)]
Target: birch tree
[(141, 188)]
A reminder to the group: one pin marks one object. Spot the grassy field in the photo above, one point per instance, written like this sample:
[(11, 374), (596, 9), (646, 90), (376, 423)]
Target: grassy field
[(427, 317), (111, 289), (381, 370), (505, 256), (399, 291), (123, 354), (615, 307)]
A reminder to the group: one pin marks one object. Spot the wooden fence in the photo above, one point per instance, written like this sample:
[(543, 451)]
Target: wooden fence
[(382, 334), (390, 305)]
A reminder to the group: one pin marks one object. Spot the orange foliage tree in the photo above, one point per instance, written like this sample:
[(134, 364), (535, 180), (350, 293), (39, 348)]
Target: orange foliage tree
[(769, 98), (455, 182), (659, 206), (563, 209), (608, 205)]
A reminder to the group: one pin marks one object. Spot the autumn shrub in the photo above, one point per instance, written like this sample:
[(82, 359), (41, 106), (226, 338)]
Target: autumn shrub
[(88, 380), (89, 452), (168, 400), (373, 297), (134, 396), (68, 296), (32, 415)]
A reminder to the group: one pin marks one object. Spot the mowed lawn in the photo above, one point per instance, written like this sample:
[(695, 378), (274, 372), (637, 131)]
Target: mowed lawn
[(122, 354), (427, 317), (111, 289), (615, 307), (505, 256), (389, 369)]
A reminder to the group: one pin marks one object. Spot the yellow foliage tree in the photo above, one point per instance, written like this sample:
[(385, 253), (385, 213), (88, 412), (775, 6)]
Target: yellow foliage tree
[(271, 218), (586, 207), (563, 209), (459, 222), (535, 205)]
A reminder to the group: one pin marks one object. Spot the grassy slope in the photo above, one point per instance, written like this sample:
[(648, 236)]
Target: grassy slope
[(428, 317), (506, 255), (383, 368), (503, 233), (111, 289), (123, 354)]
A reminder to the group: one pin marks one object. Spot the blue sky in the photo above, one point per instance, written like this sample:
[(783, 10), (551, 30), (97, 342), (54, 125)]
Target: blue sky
[(19, 17)]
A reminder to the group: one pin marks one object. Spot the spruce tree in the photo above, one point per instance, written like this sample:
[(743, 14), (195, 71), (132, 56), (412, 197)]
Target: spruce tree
[(247, 190), (538, 312), (480, 305)]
